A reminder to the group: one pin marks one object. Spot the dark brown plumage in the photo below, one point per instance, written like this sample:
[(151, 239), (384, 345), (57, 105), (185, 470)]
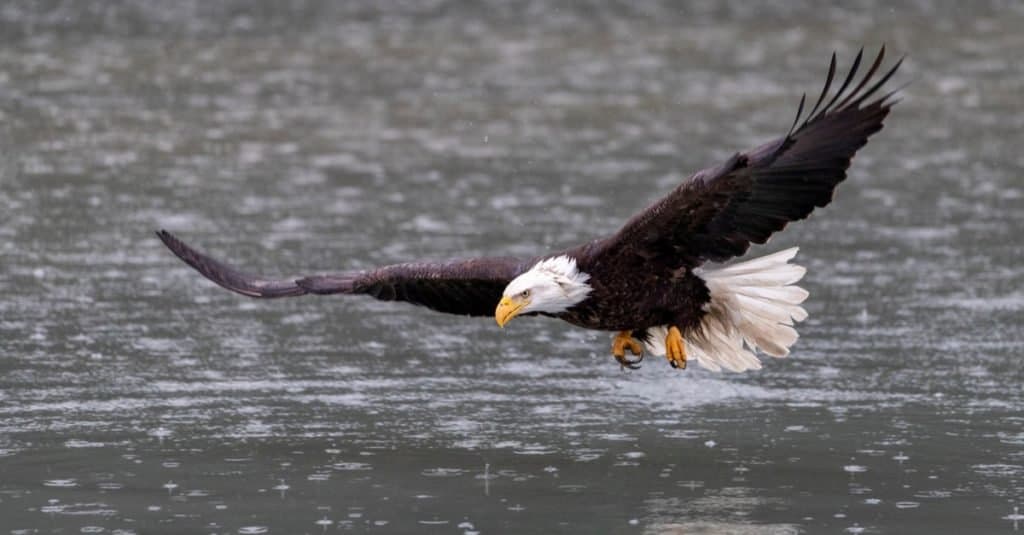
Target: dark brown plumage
[(642, 276), (467, 287)]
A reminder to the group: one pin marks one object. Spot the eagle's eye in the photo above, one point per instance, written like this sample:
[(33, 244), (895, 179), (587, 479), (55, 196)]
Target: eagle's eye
[(524, 294)]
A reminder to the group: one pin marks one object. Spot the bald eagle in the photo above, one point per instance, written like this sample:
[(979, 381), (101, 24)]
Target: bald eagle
[(648, 282)]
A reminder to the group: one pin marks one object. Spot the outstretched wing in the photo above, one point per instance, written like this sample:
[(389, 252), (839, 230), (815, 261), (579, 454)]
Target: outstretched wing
[(469, 287), (718, 212)]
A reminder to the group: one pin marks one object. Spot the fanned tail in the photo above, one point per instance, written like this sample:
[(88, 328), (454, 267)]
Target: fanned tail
[(753, 307)]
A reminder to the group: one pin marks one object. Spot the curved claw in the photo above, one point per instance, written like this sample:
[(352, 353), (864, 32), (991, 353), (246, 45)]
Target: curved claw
[(633, 364), (675, 349), (622, 341)]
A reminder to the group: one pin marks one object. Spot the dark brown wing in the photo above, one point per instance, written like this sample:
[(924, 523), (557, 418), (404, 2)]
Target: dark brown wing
[(718, 212), (469, 287)]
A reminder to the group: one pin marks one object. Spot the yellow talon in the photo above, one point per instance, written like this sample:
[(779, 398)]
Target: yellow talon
[(622, 341), (675, 348)]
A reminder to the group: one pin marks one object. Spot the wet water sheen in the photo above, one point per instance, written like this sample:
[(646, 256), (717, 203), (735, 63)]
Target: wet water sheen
[(137, 398)]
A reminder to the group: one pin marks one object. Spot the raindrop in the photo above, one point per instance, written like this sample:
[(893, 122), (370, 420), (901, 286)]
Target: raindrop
[(692, 485), (60, 483), (487, 479), (282, 487), (1016, 517), (347, 466), (160, 433)]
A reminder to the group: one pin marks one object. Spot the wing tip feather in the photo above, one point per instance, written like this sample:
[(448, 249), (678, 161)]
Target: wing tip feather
[(858, 95), (226, 276)]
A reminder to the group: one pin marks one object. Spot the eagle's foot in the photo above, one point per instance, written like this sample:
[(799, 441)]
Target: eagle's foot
[(622, 341), (675, 348)]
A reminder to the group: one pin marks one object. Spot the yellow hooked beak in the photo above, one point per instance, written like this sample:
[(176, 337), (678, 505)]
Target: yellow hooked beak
[(508, 309)]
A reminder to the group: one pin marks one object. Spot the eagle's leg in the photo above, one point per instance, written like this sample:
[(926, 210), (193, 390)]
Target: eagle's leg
[(622, 341), (675, 348)]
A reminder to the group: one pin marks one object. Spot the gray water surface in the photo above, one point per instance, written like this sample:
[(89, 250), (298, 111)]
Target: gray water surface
[(136, 397)]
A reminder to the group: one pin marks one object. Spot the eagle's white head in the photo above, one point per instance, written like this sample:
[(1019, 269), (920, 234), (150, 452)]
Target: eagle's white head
[(552, 285)]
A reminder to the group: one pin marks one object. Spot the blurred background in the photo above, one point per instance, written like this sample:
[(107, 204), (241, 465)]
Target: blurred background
[(299, 137)]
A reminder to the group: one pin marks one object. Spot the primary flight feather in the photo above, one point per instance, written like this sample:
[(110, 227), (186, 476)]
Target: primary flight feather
[(646, 282)]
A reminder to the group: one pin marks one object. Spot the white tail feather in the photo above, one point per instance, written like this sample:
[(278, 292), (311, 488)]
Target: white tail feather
[(753, 307)]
